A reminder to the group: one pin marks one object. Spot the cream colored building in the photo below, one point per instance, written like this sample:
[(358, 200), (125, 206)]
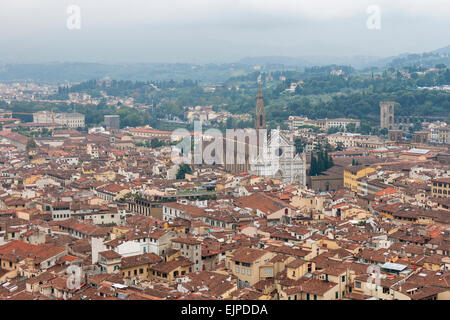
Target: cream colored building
[(250, 265)]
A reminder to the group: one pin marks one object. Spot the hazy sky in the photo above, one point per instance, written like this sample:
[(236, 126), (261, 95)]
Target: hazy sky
[(216, 30)]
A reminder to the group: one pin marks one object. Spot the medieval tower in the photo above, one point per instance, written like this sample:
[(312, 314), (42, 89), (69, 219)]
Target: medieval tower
[(387, 115)]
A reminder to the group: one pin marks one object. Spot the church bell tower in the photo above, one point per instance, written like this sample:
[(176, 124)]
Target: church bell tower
[(260, 121), (260, 115)]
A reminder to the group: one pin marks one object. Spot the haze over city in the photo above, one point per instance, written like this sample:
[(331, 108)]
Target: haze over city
[(213, 158), (201, 31)]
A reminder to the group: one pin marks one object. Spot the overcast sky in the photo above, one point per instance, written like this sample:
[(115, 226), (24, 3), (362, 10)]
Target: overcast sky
[(203, 31)]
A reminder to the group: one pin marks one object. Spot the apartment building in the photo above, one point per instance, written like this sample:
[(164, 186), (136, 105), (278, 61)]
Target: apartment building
[(353, 174), (191, 249), (71, 120), (444, 135), (440, 188), (250, 265), (326, 124)]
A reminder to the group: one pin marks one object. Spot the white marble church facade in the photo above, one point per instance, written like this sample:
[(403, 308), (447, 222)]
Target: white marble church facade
[(278, 159), (276, 156)]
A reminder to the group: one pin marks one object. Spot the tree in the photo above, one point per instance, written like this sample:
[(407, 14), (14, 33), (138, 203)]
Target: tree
[(182, 170), (313, 167), (156, 143), (332, 130), (321, 164), (351, 127), (365, 128), (229, 123), (330, 161), (354, 162), (339, 146), (31, 144), (299, 145)]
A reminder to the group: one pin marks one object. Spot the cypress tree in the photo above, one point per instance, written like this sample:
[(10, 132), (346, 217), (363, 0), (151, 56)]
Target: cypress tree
[(313, 168), (320, 162), (330, 161)]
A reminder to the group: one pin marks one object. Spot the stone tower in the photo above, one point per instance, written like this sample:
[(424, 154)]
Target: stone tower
[(387, 115), (260, 120)]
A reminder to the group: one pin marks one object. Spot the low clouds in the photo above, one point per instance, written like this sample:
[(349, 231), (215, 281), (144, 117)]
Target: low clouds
[(182, 11), (235, 27)]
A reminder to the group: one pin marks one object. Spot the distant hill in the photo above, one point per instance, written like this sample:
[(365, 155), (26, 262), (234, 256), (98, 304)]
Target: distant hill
[(77, 72), (275, 60), (444, 50), (428, 59), (358, 62), (208, 73)]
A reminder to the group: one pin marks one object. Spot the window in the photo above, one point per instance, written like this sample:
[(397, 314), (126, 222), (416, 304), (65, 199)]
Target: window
[(337, 295), (357, 284), (237, 270), (343, 278), (249, 272)]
